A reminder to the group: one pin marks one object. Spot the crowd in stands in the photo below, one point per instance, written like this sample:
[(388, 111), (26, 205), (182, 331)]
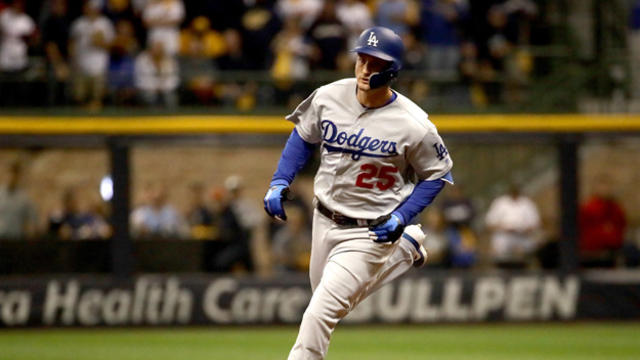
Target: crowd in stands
[(126, 52), (508, 235), (171, 52)]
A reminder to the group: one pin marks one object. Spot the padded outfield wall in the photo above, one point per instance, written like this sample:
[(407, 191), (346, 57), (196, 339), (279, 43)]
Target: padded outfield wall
[(435, 297)]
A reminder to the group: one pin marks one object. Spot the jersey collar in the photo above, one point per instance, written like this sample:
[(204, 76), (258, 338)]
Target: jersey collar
[(393, 98)]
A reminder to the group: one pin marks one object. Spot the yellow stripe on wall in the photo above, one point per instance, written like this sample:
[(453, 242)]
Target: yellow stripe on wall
[(275, 124)]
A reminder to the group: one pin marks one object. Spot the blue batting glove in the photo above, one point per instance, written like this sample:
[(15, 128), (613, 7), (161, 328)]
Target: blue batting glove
[(273, 200), (386, 228)]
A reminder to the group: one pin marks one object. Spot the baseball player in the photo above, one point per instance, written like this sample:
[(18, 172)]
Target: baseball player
[(382, 163)]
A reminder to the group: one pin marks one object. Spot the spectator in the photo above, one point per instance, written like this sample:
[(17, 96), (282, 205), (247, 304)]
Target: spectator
[(519, 13), (15, 28), (236, 254), (292, 53), (156, 76), (397, 15), (473, 91), (248, 215), (162, 19), (201, 219), (224, 15), (155, 218), (304, 11), (356, 17), (415, 59), (602, 224), (260, 24), (458, 213), (463, 247), (18, 217), (199, 47), (138, 6), (119, 10), (200, 41), (329, 37), (634, 48), (233, 59), (121, 67), (494, 53), (91, 36), (440, 29), (55, 38), (76, 220), (519, 62), (123, 10), (435, 242), (291, 245), (457, 209), (513, 220), (507, 28)]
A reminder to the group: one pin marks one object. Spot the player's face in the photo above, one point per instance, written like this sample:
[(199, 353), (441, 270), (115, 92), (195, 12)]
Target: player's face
[(366, 65)]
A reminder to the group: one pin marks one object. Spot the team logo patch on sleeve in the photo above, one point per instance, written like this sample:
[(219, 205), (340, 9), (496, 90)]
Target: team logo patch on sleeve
[(441, 151)]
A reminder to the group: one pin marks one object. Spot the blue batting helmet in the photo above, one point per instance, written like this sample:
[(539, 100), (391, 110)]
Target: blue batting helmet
[(384, 44)]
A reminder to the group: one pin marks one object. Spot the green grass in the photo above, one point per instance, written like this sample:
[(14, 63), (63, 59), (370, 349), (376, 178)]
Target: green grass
[(442, 342)]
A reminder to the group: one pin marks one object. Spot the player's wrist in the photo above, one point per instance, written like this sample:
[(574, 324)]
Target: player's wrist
[(400, 217), (279, 182)]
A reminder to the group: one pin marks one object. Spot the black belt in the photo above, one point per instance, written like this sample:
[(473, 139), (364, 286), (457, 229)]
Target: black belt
[(340, 219)]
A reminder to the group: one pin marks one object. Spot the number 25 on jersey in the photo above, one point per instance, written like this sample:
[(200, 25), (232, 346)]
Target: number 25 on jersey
[(380, 177)]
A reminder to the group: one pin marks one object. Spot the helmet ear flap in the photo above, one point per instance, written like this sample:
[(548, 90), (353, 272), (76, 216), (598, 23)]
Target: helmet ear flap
[(382, 78)]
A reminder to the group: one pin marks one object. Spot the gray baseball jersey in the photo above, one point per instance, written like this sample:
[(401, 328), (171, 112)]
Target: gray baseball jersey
[(371, 157)]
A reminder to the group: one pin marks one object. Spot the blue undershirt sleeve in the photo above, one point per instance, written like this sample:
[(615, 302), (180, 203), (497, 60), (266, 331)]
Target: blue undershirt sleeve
[(295, 155), (423, 194)]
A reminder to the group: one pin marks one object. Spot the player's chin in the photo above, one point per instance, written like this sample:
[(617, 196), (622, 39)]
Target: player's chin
[(363, 85)]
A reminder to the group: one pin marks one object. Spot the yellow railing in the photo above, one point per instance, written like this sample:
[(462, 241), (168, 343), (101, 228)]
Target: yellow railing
[(160, 125)]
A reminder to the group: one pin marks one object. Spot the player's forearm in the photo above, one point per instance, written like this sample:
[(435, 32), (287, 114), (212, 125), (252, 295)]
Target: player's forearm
[(295, 155), (423, 194)]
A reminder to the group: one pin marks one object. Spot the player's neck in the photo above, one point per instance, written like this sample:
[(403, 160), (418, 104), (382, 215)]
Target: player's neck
[(374, 98)]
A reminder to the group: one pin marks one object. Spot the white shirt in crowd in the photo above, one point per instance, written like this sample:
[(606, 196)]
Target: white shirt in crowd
[(356, 17), (167, 11), (150, 77), (162, 222), (306, 11), (514, 220), (14, 27), (91, 60)]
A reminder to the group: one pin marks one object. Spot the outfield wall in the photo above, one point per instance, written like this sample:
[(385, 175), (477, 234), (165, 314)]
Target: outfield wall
[(419, 298)]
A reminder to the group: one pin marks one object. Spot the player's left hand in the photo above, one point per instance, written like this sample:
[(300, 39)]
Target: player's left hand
[(273, 200), (387, 228)]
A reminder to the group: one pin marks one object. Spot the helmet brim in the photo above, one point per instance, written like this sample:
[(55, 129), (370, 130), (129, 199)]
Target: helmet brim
[(373, 52), (378, 54)]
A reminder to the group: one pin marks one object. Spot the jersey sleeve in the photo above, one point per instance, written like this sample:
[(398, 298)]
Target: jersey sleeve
[(430, 158), (306, 119)]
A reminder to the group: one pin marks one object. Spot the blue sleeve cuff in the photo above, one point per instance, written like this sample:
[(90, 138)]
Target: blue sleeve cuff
[(279, 182), (423, 194), (295, 155), (448, 177)]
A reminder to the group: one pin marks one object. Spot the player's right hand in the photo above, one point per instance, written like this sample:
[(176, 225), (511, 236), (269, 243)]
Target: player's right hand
[(273, 200), (387, 228)]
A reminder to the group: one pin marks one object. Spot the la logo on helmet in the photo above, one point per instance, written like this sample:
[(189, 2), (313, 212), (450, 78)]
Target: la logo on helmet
[(372, 39)]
